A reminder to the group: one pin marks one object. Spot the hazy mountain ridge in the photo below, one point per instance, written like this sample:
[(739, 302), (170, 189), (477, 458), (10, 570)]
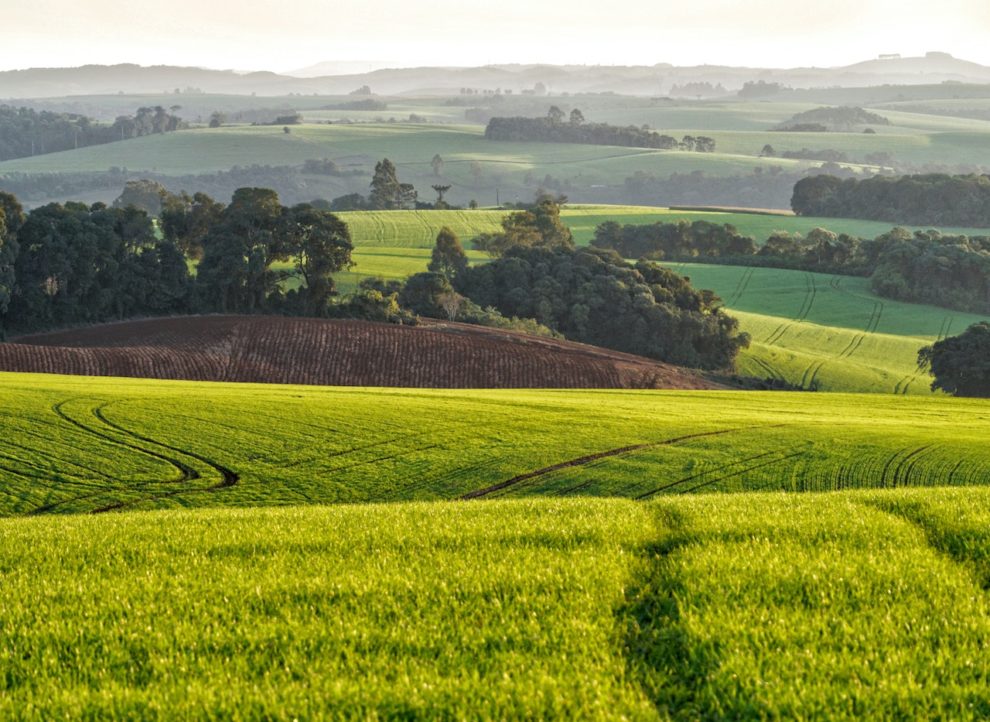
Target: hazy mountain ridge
[(636, 80)]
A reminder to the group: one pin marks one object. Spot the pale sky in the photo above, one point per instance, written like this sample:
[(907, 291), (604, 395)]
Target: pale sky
[(289, 34)]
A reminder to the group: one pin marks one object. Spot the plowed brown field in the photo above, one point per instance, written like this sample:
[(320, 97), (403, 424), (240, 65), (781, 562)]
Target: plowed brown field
[(270, 349)]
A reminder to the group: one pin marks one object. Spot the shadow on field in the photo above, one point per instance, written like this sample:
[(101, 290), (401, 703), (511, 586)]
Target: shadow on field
[(661, 658)]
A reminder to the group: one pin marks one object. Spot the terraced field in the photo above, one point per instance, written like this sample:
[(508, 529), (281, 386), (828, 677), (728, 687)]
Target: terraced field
[(74, 444)]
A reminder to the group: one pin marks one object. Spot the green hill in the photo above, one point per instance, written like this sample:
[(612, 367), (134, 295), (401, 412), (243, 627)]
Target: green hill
[(75, 444), (813, 330), (418, 229), (828, 332), (687, 605)]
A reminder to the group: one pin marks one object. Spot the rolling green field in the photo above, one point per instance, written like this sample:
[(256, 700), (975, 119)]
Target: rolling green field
[(75, 444), (828, 332), (856, 604), (410, 146), (813, 330), (418, 229)]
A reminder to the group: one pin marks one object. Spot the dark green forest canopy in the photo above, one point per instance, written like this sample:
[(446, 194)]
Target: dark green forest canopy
[(595, 297), (25, 132), (555, 129), (960, 364), (931, 200)]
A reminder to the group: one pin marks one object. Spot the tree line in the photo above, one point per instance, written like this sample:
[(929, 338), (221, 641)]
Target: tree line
[(554, 129), (72, 263), (26, 132), (922, 200), (922, 267)]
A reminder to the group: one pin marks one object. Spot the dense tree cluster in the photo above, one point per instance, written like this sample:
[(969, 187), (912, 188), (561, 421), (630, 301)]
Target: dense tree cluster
[(554, 129), (841, 118), (593, 296), (25, 132), (673, 240), (538, 226), (79, 264), (920, 200), (69, 264), (924, 266), (960, 364)]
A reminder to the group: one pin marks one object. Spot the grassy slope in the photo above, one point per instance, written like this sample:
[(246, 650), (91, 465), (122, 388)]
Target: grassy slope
[(842, 606), (847, 339), (74, 444), (410, 146), (740, 129), (418, 229), (828, 331)]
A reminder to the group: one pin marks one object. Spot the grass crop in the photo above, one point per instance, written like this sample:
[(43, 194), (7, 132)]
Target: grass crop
[(853, 605), (74, 444), (828, 332), (418, 229)]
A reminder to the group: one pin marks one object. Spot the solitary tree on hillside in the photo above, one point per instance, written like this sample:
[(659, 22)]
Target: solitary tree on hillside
[(577, 117), (555, 115), (960, 364)]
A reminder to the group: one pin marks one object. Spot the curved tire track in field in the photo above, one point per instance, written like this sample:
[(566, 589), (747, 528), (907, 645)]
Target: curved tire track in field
[(810, 376), (723, 476), (898, 466), (583, 460), (802, 314), (186, 473), (741, 287), (771, 371)]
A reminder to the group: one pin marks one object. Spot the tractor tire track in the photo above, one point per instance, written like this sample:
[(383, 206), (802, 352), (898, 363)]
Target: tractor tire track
[(700, 474), (186, 473), (741, 287), (584, 460), (902, 472), (228, 477), (772, 373), (802, 314)]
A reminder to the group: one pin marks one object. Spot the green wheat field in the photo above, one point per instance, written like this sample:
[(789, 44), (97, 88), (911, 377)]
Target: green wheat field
[(174, 549)]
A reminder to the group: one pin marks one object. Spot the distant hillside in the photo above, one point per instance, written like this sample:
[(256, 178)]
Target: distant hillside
[(652, 80), (336, 353)]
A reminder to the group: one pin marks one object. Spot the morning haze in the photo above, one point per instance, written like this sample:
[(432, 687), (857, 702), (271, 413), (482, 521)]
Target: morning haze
[(259, 35), (494, 361)]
